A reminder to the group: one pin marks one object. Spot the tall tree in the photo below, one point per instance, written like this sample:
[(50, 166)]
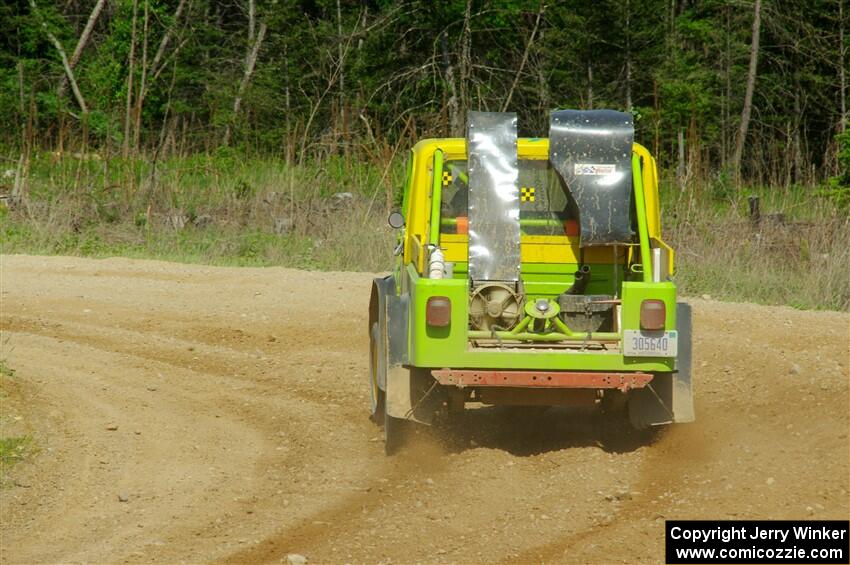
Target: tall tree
[(250, 62), (748, 97), (842, 68), (131, 65), (69, 72), (81, 44)]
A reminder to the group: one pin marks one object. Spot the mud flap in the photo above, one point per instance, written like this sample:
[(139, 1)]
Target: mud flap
[(390, 312), (399, 402), (668, 398), (411, 394), (683, 395)]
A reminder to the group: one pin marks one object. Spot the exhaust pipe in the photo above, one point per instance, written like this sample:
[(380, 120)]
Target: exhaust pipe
[(582, 279)]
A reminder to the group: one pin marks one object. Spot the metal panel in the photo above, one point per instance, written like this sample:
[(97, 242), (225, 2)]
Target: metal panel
[(592, 151), (542, 379), (494, 253)]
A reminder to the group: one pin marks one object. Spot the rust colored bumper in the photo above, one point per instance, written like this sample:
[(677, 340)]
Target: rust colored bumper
[(541, 379)]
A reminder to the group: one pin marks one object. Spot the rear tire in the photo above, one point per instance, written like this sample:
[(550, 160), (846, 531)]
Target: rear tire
[(377, 397)]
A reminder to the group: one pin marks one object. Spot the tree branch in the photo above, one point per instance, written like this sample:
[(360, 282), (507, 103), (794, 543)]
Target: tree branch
[(68, 71), (81, 44), (524, 57)]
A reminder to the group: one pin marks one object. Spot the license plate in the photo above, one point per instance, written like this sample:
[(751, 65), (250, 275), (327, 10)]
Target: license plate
[(642, 343)]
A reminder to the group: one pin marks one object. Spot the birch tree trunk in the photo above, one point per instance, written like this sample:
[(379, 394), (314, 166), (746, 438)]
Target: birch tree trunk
[(452, 104), (524, 58), (748, 96), (726, 97), (680, 168), (81, 45), (542, 85), (166, 39), (343, 117), (842, 72), (151, 73), (465, 63), (250, 63), (69, 73), (128, 118), (137, 130), (289, 150), (252, 21)]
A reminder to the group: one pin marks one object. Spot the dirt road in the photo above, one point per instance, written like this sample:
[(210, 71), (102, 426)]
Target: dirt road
[(193, 414)]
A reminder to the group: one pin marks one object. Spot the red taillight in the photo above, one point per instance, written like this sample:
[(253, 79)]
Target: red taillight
[(653, 314), (438, 311)]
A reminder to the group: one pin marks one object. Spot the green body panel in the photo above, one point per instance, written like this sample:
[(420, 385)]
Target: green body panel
[(636, 292), (548, 280), (448, 347)]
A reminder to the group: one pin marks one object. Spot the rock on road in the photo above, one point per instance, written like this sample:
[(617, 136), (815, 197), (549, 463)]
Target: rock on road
[(208, 414)]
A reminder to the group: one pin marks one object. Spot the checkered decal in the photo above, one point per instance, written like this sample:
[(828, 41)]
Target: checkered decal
[(447, 178), (526, 194)]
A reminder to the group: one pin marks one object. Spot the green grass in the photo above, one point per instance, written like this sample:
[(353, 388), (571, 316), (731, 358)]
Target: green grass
[(14, 450), (344, 247), (231, 205), (6, 370)]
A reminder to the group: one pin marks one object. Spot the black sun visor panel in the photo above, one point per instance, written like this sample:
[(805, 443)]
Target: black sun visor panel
[(592, 151)]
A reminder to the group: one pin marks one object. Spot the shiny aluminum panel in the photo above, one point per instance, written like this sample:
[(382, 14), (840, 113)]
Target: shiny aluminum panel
[(493, 197), (592, 151)]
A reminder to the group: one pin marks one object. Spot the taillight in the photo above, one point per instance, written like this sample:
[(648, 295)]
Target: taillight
[(653, 314), (438, 311)]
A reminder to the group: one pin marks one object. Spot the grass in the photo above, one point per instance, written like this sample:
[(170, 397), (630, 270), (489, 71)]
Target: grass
[(801, 260), (226, 209), (6, 370), (13, 450), (208, 209)]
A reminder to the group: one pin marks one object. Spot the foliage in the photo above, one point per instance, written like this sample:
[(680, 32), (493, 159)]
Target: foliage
[(837, 189), (6, 370), (341, 89), (378, 72), (13, 449), (331, 215)]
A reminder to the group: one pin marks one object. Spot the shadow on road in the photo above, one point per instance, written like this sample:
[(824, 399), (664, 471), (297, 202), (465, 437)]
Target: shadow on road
[(525, 431)]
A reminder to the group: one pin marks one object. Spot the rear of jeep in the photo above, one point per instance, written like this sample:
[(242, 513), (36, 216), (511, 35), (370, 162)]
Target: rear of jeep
[(530, 272)]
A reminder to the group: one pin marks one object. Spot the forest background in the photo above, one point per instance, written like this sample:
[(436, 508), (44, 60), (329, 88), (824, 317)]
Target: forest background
[(275, 132)]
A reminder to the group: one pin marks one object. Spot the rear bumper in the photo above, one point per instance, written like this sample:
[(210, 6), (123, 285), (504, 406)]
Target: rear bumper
[(541, 379)]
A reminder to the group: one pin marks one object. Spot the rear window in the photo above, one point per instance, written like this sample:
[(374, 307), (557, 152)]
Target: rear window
[(545, 203)]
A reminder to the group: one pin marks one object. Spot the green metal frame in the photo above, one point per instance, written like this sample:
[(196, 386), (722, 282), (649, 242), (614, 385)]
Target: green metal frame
[(640, 210), (436, 199)]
